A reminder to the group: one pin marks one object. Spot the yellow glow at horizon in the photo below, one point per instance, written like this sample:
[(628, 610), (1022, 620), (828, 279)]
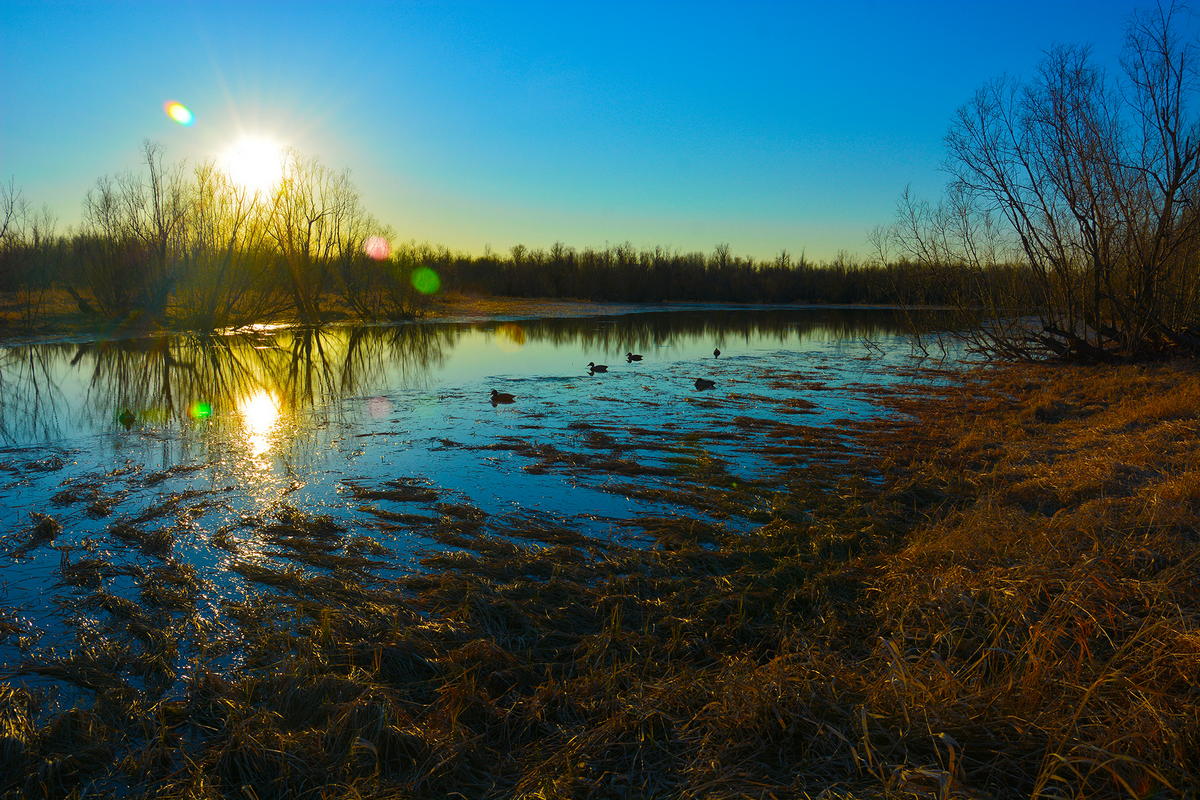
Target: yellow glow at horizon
[(260, 414), (254, 163)]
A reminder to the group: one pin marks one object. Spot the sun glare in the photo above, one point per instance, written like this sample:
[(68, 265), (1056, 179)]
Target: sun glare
[(254, 163), (260, 413)]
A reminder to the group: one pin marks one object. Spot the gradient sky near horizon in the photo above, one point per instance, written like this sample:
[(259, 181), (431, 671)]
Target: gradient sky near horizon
[(765, 125)]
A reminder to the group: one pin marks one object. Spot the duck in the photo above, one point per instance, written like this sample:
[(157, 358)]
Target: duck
[(502, 397), (597, 367), (631, 357), (716, 352), (704, 383)]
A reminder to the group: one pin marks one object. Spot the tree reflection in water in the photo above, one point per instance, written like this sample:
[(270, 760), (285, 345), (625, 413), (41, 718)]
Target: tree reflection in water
[(261, 380)]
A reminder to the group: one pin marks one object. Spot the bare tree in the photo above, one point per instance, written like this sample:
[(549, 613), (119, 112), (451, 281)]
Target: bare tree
[(1087, 183), (13, 209), (30, 251), (319, 226), (226, 270), (136, 226)]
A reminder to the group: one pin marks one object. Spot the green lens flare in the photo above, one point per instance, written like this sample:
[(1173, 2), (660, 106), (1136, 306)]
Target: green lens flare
[(201, 410), (425, 280)]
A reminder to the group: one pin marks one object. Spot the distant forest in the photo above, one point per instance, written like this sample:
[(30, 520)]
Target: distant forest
[(626, 274), (190, 248)]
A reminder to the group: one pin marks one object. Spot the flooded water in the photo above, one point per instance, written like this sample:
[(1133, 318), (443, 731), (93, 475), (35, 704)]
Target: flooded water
[(125, 456)]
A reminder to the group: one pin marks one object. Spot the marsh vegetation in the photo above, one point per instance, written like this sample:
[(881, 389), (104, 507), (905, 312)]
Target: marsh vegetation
[(143, 557), (987, 594)]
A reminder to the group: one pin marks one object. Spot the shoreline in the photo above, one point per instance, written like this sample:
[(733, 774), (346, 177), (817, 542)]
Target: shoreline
[(61, 323)]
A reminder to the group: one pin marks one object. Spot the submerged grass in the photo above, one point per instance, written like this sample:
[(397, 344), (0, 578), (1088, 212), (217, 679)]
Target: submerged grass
[(994, 594)]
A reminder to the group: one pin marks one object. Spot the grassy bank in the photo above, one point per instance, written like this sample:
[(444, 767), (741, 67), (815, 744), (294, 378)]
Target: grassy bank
[(1010, 611)]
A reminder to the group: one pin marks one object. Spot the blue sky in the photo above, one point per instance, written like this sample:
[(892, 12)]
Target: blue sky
[(765, 125)]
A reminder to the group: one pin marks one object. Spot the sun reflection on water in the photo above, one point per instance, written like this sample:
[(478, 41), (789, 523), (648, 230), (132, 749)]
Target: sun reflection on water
[(260, 415)]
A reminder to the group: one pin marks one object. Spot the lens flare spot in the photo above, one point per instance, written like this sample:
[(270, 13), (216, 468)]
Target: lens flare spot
[(425, 280), (377, 247), (201, 409), (379, 407), (179, 112), (510, 337), (260, 414)]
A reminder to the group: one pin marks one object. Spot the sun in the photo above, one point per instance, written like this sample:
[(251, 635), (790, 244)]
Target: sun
[(254, 163)]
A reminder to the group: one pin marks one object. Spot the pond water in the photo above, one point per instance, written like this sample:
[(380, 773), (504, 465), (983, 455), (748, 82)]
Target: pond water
[(184, 450)]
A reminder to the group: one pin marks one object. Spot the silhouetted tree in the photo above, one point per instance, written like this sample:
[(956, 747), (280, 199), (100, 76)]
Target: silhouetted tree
[(1089, 181), (134, 236)]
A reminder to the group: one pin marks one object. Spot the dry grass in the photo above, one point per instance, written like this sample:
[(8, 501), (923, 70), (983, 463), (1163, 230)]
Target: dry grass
[(1012, 611), (1049, 601)]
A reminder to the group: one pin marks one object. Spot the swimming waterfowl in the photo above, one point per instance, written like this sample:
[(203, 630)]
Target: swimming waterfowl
[(631, 357), (704, 383), (716, 352), (597, 367), (502, 397)]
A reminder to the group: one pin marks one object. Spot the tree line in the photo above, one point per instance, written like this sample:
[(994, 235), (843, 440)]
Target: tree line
[(190, 248), (623, 273)]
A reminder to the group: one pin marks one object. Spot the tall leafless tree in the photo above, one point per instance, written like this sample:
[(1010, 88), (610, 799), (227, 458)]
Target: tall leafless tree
[(318, 225), (1091, 183), (137, 230)]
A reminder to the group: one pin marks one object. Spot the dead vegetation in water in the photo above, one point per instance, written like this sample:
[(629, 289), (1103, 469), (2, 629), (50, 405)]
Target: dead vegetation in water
[(43, 530), (90, 492), (548, 457), (1011, 612), (401, 490)]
